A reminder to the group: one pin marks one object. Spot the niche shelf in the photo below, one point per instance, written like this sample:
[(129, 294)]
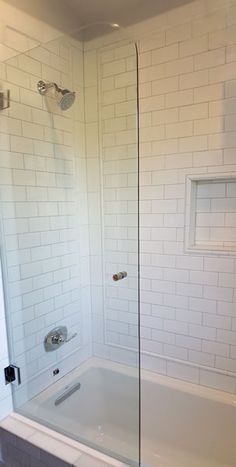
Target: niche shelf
[(210, 214)]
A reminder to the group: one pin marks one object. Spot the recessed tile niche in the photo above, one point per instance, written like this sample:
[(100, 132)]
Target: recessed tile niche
[(211, 213)]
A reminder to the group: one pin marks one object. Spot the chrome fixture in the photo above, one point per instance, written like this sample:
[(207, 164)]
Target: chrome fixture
[(119, 276), (4, 100), (94, 30), (68, 391), (115, 25), (65, 98), (56, 338)]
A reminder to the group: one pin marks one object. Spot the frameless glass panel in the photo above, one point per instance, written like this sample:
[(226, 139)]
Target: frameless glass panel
[(116, 319), (69, 229)]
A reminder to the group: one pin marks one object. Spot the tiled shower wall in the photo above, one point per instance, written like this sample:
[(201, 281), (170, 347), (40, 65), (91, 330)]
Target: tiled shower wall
[(215, 214), (44, 208), (115, 305), (187, 73), (19, 42), (188, 106)]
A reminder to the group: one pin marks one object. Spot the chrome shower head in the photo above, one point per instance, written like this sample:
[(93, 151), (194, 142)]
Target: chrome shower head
[(64, 97)]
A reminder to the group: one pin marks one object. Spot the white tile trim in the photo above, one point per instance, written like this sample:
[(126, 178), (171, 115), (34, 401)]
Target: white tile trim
[(190, 217), (34, 433)]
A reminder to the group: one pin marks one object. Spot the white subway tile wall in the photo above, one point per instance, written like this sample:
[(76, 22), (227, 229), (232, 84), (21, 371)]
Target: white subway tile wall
[(120, 195), (216, 214), (44, 213), (110, 78), (188, 300), (187, 101)]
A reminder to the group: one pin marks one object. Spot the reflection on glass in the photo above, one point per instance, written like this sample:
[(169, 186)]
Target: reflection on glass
[(69, 215)]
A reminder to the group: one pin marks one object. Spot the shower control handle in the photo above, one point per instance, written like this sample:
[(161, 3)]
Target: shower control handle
[(119, 276), (57, 337)]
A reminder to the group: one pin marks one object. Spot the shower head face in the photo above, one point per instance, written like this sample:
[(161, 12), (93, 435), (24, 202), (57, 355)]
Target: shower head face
[(66, 99)]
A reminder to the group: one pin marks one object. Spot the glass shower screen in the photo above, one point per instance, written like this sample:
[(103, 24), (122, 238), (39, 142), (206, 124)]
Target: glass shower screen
[(69, 237)]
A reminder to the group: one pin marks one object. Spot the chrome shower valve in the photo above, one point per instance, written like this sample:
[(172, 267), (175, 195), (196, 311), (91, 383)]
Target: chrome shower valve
[(56, 338)]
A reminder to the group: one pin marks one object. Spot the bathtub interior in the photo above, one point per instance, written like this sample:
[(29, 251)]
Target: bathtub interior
[(181, 426), (101, 424)]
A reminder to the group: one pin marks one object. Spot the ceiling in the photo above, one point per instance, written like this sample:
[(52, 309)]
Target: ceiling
[(70, 15)]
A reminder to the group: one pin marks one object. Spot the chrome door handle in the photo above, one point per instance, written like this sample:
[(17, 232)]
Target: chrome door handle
[(119, 276)]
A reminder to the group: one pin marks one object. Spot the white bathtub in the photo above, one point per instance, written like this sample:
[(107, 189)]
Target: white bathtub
[(183, 425), (103, 413)]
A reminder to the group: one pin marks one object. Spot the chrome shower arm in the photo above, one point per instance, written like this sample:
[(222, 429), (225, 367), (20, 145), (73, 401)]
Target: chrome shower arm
[(43, 87)]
